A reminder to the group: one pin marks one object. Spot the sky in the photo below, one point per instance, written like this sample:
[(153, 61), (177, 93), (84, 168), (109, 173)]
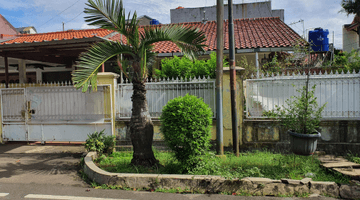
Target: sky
[(48, 15)]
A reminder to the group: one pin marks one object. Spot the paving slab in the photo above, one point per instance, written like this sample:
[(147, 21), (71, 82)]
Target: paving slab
[(331, 160), (341, 164), (348, 171)]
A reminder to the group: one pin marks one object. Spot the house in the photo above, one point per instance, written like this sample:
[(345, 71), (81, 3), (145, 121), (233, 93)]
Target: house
[(27, 30), (46, 57), (240, 11), (145, 20), (256, 37), (6, 28), (351, 34)]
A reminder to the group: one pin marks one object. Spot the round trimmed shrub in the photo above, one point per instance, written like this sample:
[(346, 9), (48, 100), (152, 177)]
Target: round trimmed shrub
[(186, 127)]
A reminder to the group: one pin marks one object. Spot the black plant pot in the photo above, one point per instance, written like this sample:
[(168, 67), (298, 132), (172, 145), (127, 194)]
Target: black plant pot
[(303, 144)]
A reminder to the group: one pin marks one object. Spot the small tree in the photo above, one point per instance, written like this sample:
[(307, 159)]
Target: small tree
[(110, 15), (186, 126), (301, 113)]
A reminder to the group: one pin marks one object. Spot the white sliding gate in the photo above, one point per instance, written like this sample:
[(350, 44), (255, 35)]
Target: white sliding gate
[(60, 113)]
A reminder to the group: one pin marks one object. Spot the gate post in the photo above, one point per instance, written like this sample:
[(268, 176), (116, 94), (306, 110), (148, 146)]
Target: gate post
[(227, 129), (110, 79)]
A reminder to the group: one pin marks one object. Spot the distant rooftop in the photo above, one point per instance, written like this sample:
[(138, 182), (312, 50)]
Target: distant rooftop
[(26, 30)]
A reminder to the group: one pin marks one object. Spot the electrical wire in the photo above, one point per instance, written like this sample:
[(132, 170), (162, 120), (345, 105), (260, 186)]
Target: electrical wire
[(75, 17), (59, 14)]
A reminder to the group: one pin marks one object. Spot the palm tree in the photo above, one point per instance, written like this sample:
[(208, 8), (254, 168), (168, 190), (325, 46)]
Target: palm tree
[(110, 14)]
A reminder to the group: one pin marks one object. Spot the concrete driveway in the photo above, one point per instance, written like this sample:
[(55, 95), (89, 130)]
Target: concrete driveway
[(40, 164)]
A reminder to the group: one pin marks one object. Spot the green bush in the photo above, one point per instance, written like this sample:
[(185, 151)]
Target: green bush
[(186, 126), (186, 68), (100, 143)]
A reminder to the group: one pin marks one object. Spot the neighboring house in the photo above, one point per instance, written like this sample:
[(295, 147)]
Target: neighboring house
[(253, 37), (27, 30), (6, 28), (7, 31), (351, 34), (240, 11), (145, 20), (46, 57)]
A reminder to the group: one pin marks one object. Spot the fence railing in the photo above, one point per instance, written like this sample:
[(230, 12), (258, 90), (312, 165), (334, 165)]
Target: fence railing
[(42, 84), (340, 91), (159, 93)]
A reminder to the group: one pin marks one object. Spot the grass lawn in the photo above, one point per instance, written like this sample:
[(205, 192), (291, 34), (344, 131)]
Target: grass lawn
[(252, 164)]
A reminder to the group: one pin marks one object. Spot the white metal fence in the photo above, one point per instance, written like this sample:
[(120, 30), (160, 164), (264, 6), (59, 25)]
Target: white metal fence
[(340, 91), (159, 93)]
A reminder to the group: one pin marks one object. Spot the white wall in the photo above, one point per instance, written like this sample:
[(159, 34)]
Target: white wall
[(350, 40), (241, 11)]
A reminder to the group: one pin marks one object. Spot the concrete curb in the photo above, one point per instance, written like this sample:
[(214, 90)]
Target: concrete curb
[(210, 184)]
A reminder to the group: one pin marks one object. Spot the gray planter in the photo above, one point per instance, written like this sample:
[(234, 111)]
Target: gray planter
[(303, 144)]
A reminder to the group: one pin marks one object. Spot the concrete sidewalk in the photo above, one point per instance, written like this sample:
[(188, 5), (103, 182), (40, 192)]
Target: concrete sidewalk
[(53, 164)]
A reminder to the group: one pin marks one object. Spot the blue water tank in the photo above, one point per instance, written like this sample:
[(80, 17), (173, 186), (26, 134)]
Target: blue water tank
[(319, 40), (154, 22)]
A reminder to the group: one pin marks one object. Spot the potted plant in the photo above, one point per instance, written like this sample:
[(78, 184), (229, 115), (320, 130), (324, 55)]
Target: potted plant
[(301, 116)]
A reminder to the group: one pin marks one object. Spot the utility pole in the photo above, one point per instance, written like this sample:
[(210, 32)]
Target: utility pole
[(333, 47), (63, 26), (219, 75), (235, 131)]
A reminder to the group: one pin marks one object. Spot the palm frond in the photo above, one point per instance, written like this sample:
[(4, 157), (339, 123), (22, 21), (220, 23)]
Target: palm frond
[(106, 14), (189, 40), (132, 31), (91, 61)]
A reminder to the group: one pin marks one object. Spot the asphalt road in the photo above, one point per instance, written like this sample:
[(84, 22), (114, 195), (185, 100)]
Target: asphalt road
[(49, 191)]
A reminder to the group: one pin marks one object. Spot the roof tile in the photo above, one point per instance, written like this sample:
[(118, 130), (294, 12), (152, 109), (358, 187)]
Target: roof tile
[(62, 35)]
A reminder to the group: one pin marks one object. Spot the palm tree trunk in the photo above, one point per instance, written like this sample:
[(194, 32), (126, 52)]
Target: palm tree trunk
[(141, 128)]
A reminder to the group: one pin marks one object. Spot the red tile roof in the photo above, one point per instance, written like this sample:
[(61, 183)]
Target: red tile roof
[(62, 35), (249, 33)]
